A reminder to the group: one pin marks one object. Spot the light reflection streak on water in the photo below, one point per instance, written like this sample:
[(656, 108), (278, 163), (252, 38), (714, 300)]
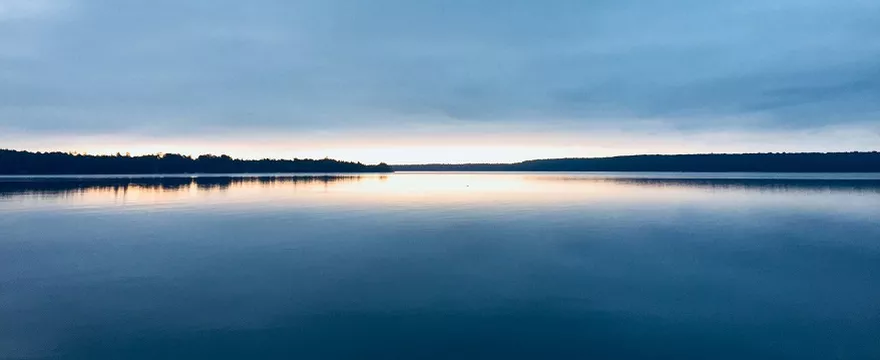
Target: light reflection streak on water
[(420, 190)]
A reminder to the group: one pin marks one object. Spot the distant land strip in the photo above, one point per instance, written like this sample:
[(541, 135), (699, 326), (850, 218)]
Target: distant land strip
[(838, 162), (14, 162)]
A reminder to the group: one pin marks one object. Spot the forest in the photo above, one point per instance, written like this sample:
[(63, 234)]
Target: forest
[(757, 162), (14, 162)]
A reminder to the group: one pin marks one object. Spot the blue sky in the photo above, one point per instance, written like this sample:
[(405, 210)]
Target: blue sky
[(430, 80)]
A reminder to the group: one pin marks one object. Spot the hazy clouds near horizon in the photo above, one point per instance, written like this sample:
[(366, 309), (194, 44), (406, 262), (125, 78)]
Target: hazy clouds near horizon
[(335, 67)]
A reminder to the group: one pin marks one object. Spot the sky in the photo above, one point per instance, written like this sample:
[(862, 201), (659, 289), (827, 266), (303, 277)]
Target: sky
[(449, 81)]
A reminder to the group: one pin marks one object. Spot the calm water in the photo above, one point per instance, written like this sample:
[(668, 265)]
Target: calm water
[(442, 266)]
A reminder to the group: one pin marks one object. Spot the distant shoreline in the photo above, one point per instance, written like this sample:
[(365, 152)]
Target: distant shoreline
[(840, 162), (27, 163), (31, 164)]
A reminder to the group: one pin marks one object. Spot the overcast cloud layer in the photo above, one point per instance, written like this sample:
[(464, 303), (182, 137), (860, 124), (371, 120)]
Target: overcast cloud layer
[(176, 68)]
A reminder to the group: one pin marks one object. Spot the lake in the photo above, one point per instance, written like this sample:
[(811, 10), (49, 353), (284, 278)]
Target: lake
[(441, 266)]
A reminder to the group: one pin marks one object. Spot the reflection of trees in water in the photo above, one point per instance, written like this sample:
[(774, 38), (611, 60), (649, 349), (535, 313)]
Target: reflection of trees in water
[(120, 186), (782, 185), (72, 186), (224, 183)]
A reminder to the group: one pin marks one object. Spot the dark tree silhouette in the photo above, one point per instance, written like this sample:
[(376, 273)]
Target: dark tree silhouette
[(56, 163), (766, 162)]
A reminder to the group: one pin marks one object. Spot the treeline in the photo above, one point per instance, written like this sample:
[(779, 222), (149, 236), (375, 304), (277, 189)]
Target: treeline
[(57, 163), (764, 162)]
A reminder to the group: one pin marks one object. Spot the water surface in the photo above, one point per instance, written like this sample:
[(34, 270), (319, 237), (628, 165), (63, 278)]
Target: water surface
[(441, 266)]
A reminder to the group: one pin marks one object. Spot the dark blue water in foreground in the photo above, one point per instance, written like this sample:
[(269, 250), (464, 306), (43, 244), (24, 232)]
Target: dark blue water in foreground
[(442, 266)]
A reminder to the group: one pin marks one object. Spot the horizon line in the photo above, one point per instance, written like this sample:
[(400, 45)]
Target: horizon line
[(192, 156)]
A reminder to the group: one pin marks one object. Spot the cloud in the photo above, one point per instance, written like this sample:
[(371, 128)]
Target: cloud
[(180, 67)]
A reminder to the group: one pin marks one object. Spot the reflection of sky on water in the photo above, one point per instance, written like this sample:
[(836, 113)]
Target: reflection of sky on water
[(437, 266), (424, 189)]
